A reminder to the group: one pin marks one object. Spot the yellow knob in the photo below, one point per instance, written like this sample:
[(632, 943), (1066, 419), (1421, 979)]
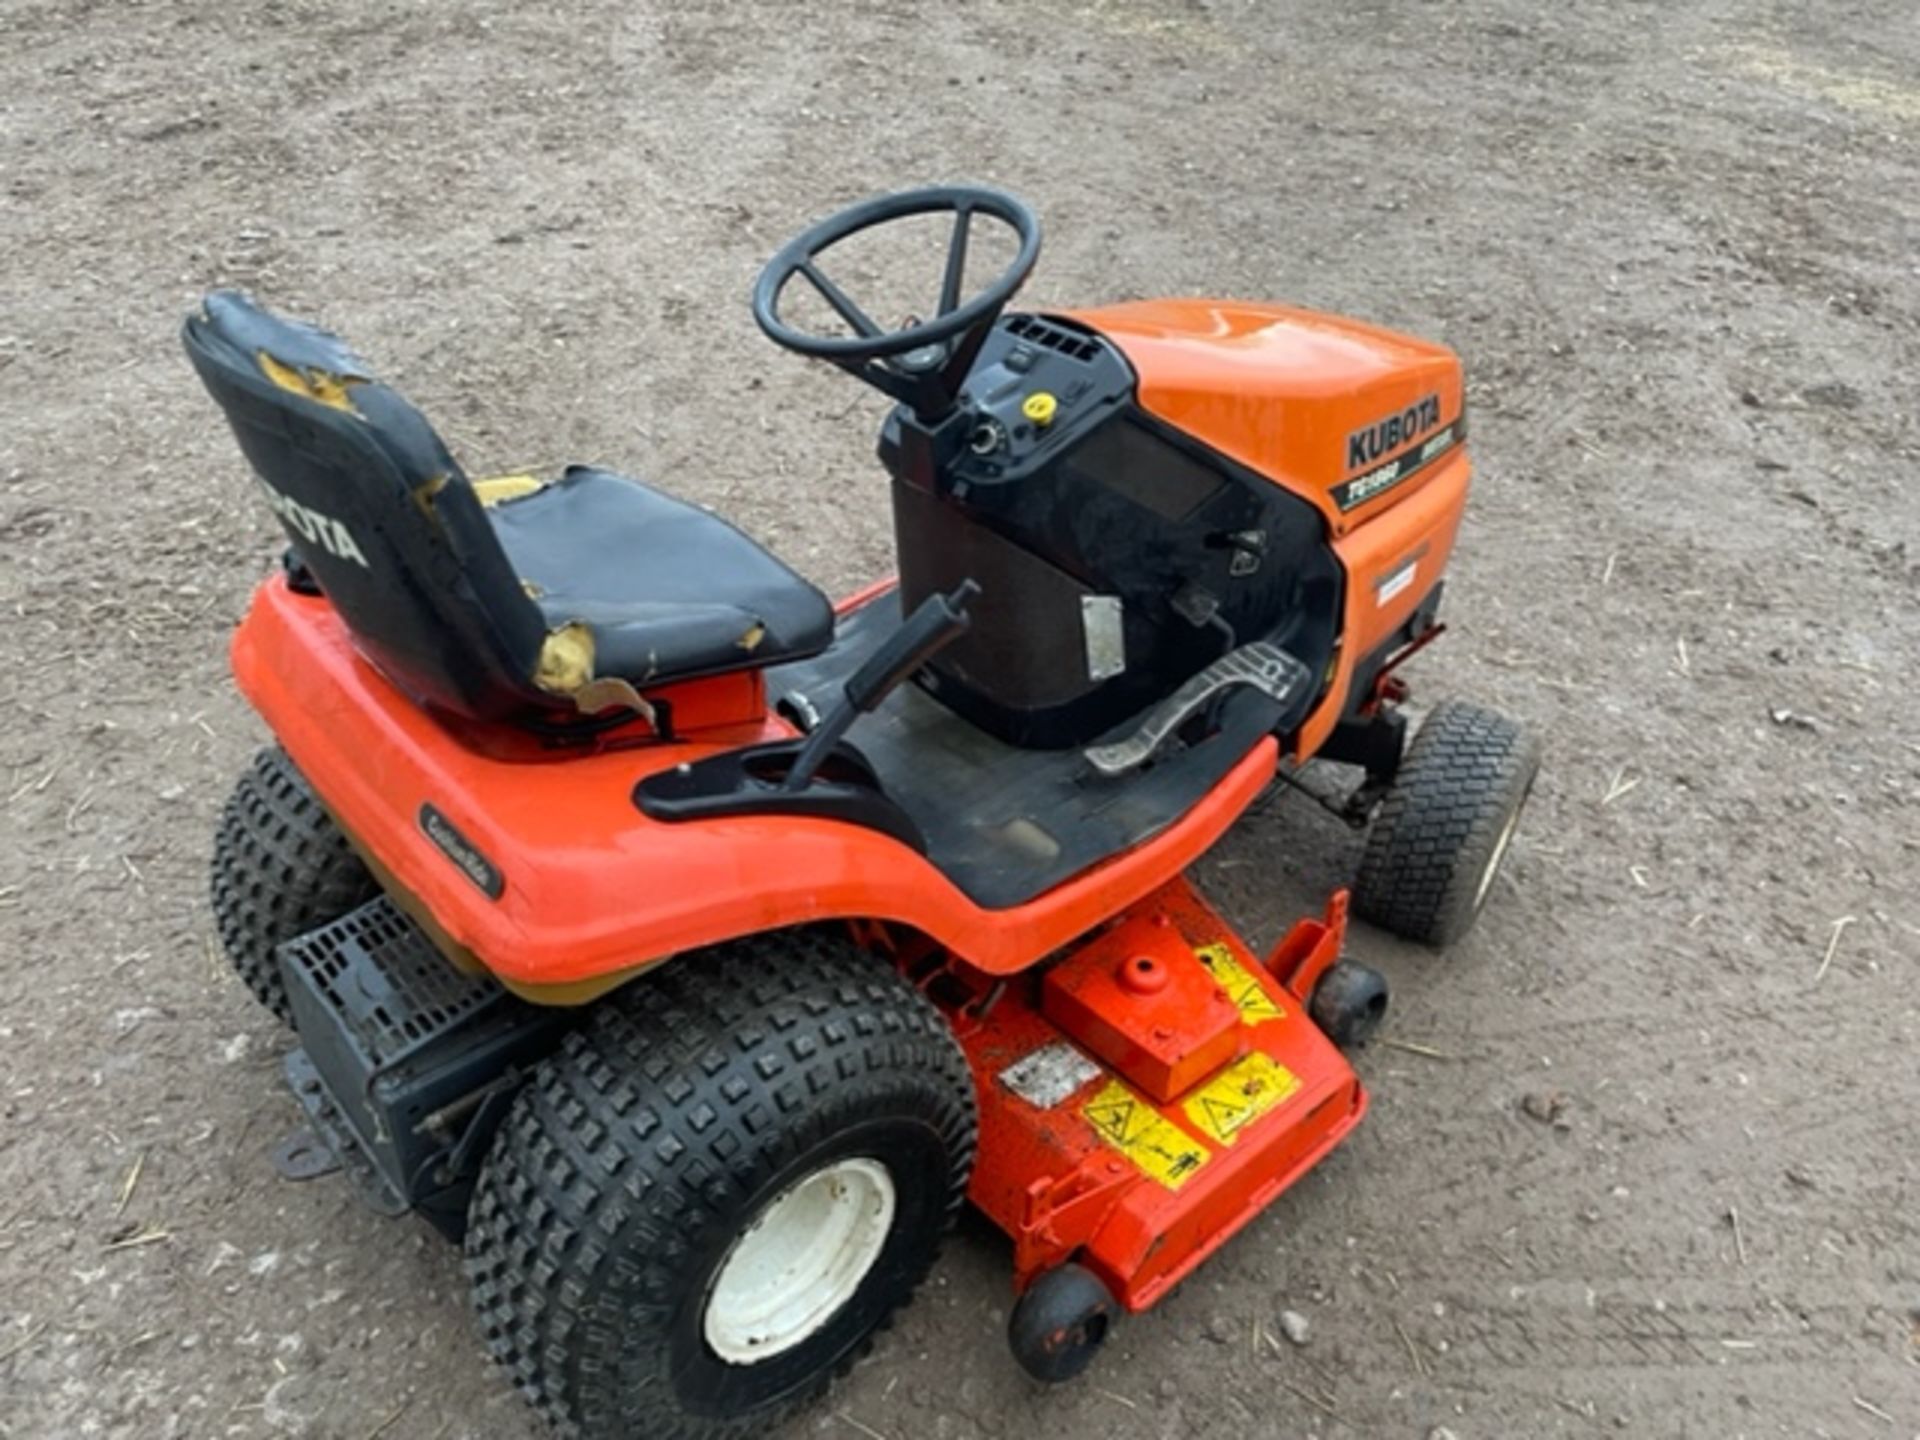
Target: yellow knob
[(1039, 407)]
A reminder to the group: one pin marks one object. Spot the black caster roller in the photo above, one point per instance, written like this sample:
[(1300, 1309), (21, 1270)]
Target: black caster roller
[(1349, 1003), (1059, 1325)]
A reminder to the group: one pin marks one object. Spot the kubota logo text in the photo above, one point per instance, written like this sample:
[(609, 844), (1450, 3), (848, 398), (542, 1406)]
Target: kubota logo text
[(1383, 437), (314, 528)]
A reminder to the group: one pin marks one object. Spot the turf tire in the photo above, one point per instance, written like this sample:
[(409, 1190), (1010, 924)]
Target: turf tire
[(1443, 828), (651, 1140), (281, 867)]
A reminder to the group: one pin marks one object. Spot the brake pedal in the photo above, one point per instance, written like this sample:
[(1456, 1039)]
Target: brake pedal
[(1261, 664)]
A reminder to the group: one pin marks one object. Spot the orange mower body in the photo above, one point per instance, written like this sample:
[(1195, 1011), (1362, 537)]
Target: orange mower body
[(629, 900)]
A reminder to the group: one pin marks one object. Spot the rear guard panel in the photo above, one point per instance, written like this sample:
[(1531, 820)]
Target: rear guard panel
[(542, 867)]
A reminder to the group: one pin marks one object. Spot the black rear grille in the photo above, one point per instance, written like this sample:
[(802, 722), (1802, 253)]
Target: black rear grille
[(406, 1063), (385, 982), (1035, 331)]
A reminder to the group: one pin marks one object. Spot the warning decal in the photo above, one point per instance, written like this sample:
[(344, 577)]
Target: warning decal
[(1240, 983), (1139, 1132), (1240, 1095)]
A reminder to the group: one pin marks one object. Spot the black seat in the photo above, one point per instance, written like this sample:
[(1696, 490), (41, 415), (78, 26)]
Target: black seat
[(496, 599), (669, 588)]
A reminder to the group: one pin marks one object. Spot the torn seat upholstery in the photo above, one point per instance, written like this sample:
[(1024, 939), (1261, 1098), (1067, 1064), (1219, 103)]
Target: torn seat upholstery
[(508, 599)]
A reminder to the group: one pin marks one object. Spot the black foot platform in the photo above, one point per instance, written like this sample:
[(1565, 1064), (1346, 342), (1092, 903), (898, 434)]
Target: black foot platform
[(1006, 824)]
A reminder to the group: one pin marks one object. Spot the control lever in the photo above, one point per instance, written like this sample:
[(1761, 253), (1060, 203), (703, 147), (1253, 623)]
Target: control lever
[(1261, 664), (936, 623)]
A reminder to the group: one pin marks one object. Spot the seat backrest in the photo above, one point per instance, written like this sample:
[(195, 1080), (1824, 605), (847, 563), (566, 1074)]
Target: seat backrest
[(377, 511)]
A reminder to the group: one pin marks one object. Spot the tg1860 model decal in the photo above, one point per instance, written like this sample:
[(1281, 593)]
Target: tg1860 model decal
[(1383, 478)]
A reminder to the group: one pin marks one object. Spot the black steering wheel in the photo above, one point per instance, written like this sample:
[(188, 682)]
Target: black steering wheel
[(923, 361)]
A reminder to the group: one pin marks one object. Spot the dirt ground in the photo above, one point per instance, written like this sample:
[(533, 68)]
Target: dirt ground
[(1645, 1159)]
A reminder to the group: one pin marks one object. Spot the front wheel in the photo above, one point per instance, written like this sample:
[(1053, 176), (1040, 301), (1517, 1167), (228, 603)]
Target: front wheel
[(704, 1205), (1446, 824)]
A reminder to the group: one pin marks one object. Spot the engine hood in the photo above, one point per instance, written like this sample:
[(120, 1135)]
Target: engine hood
[(1350, 416)]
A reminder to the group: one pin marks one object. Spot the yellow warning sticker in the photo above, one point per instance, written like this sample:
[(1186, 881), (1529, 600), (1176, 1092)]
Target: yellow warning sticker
[(1240, 983), (1240, 1095), (1142, 1134)]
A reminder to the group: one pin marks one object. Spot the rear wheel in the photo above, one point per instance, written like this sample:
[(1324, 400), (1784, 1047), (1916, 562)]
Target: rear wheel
[(1446, 824), (703, 1206), (281, 867)]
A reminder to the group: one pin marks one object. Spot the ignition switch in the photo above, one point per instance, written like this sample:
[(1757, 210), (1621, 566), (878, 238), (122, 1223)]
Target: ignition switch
[(988, 436)]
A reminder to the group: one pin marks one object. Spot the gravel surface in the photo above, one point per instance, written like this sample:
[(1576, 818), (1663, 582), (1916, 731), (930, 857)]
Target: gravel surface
[(1643, 1157)]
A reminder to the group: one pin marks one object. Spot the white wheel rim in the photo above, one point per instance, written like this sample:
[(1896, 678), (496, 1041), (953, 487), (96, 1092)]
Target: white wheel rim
[(1499, 854), (799, 1262)]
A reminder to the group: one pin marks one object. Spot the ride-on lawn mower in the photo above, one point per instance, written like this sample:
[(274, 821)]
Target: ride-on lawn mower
[(691, 947)]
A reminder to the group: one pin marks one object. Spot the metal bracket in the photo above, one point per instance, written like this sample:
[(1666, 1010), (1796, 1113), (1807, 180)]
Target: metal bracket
[(303, 1155), (1355, 807), (1261, 664), (336, 1137)]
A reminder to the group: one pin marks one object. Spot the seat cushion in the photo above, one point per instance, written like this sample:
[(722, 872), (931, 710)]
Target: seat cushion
[(668, 590)]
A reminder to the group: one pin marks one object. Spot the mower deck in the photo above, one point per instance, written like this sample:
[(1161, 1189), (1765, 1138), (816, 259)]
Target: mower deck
[(1153, 1093)]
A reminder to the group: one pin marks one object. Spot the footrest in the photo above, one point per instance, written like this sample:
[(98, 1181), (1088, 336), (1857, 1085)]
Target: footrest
[(1262, 665)]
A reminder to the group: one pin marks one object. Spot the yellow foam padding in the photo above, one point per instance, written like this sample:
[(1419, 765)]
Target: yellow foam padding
[(607, 691), (318, 385), (566, 668), (566, 660), (498, 488), (425, 494)]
